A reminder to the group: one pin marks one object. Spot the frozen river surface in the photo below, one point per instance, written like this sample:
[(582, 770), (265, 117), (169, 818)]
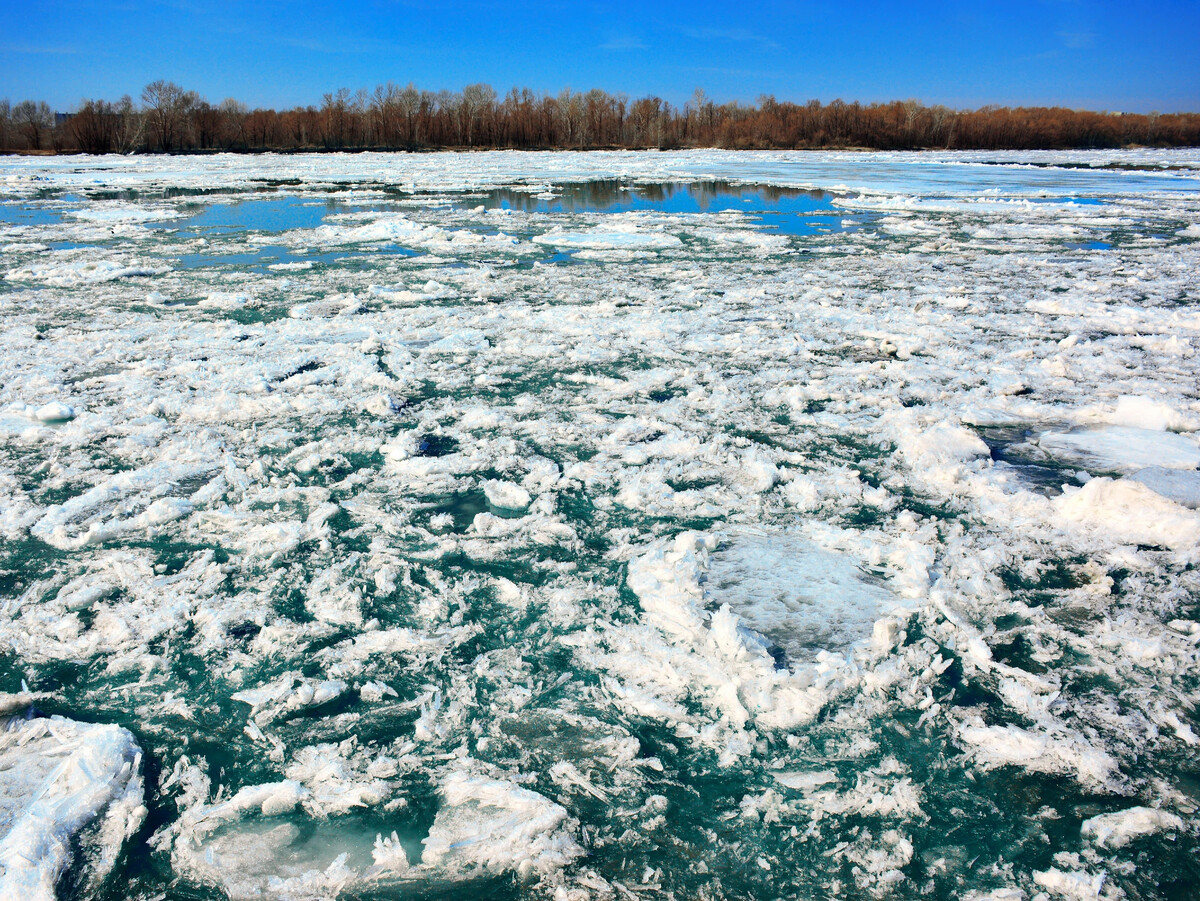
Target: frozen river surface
[(600, 526)]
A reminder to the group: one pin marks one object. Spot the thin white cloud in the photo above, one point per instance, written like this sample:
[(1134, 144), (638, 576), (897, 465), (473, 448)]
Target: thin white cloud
[(1077, 40), (36, 49), (732, 35), (626, 42)]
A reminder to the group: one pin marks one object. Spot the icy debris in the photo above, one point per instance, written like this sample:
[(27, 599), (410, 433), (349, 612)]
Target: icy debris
[(1179, 485), (52, 412), (335, 784), (1040, 751), (396, 228), (1075, 885), (506, 495), (630, 238), (66, 275), (124, 502), (122, 213), (58, 776), (1122, 448), (1127, 512), (1117, 829), (497, 826), (288, 694)]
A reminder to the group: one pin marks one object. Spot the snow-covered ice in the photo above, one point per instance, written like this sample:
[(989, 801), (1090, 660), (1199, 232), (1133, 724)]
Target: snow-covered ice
[(441, 530)]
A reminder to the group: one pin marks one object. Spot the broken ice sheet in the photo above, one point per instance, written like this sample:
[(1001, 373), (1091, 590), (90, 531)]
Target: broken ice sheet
[(613, 543)]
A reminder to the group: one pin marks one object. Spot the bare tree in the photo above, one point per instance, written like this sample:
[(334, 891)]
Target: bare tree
[(335, 118), (233, 123), (93, 127), (167, 109), (33, 119), (409, 102), (478, 104)]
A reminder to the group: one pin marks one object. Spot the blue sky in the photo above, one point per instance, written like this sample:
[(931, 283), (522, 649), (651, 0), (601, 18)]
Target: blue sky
[(1078, 53)]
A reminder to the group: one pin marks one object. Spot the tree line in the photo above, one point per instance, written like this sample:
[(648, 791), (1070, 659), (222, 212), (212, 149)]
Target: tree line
[(169, 119)]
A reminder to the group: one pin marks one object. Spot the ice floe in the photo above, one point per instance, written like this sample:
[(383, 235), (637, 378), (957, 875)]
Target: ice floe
[(58, 778)]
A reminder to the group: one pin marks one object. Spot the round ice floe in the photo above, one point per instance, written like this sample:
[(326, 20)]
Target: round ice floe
[(58, 776), (1122, 448), (55, 411), (254, 845), (506, 495), (802, 598)]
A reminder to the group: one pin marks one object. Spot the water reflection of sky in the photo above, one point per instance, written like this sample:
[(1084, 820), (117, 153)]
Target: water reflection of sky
[(275, 215), (795, 211)]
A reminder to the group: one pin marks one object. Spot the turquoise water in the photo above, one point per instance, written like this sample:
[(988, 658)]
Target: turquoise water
[(429, 435)]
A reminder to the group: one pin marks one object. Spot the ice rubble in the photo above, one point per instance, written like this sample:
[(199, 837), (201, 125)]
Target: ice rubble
[(1123, 448), (813, 404), (1117, 829), (71, 274), (63, 782), (681, 651), (484, 826)]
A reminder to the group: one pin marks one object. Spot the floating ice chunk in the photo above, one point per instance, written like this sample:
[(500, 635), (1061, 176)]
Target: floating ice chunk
[(506, 495), (1117, 829), (53, 412), (1180, 485), (225, 300), (119, 213), (399, 229), (463, 341), (58, 776), (375, 691), (631, 238), (331, 307), (288, 694), (1129, 512), (941, 444), (252, 854), (1146, 413), (1123, 449), (802, 598), (127, 501), (805, 782), (1075, 884), (269, 799), (997, 746), (498, 827), (66, 275)]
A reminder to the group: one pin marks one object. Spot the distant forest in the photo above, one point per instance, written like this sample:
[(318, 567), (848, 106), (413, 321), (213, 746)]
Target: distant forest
[(169, 119)]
